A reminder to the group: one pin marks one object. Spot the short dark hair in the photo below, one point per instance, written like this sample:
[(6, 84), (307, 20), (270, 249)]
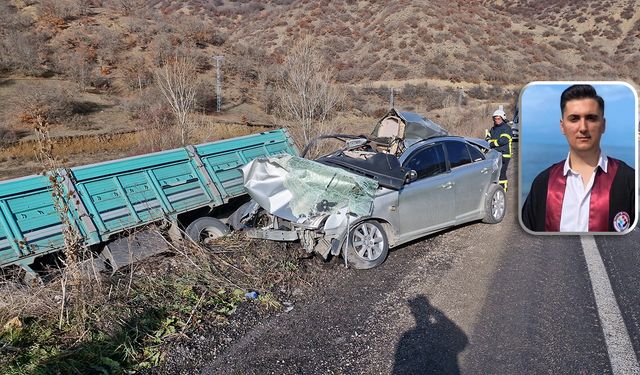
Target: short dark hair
[(575, 92)]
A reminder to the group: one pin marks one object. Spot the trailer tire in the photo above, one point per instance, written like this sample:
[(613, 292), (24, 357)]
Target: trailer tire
[(205, 229)]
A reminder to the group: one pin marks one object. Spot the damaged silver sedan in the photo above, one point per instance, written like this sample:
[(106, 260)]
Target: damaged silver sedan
[(409, 179)]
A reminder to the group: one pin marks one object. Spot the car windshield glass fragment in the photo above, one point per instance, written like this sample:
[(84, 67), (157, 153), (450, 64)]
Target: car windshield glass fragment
[(312, 188)]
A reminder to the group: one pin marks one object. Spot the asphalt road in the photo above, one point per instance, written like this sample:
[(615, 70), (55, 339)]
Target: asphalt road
[(480, 299)]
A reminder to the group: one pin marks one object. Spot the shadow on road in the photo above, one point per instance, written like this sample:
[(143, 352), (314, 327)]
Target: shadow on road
[(431, 347)]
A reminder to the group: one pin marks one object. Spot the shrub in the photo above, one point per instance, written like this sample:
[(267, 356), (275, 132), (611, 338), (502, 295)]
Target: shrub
[(435, 97), (478, 92), (136, 74), (161, 49), (401, 72), (10, 19), (348, 75), (78, 66), (128, 7), (7, 136), (19, 53), (52, 105), (461, 121), (627, 12), (109, 43), (193, 30), (62, 9), (206, 98), (269, 99), (149, 109)]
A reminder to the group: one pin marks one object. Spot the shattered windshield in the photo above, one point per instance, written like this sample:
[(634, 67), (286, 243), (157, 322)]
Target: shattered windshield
[(317, 188), (288, 184)]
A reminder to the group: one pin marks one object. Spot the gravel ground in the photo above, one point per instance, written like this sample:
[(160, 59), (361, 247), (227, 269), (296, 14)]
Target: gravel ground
[(251, 341), (347, 321)]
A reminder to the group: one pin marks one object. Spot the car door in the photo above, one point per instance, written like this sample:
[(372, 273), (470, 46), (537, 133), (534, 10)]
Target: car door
[(471, 174), (426, 204)]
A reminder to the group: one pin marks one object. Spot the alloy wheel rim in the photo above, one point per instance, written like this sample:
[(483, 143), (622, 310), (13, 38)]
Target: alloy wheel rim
[(497, 205), (368, 241)]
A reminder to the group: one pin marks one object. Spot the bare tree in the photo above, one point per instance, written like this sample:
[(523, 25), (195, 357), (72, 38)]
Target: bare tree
[(19, 52), (35, 106), (178, 83), (79, 66), (307, 95), (128, 7)]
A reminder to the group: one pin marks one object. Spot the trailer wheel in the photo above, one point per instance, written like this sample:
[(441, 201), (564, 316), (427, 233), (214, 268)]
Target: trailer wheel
[(206, 229)]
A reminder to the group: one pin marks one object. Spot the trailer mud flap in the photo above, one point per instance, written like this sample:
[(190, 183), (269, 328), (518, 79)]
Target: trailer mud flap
[(135, 247)]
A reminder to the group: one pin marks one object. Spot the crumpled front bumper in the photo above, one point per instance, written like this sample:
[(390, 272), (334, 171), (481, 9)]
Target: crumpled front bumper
[(306, 201)]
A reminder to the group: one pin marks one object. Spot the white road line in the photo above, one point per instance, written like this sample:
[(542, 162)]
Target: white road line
[(621, 355)]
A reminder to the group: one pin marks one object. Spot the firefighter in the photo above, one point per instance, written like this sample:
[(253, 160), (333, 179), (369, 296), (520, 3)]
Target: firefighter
[(499, 138)]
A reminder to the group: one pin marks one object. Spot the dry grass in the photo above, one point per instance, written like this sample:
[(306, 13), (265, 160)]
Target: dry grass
[(464, 121), (209, 130), (21, 300), (121, 322), (69, 146), (19, 159)]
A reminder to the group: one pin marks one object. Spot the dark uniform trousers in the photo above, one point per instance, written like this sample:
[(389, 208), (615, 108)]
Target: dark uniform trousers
[(499, 138)]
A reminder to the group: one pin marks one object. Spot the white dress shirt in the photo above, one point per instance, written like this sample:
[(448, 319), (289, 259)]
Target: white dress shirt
[(575, 206)]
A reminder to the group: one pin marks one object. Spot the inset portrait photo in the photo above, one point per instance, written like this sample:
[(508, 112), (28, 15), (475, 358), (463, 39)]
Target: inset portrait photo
[(578, 158)]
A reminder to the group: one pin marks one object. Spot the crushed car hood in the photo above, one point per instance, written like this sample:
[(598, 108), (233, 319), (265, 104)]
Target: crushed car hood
[(297, 189), (384, 168)]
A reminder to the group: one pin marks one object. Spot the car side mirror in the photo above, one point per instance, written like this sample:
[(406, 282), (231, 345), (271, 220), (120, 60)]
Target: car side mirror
[(411, 176)]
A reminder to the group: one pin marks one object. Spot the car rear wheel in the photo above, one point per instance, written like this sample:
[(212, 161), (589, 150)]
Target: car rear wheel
[(367, 245), (206, 229), (495, 205)]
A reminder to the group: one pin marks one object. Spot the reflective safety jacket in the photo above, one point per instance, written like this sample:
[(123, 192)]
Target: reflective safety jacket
[(500, 139)]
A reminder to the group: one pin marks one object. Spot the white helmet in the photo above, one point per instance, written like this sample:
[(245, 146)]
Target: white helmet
[(500, 113)]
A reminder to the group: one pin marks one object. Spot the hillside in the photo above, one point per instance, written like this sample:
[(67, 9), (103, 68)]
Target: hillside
[(92, 61)]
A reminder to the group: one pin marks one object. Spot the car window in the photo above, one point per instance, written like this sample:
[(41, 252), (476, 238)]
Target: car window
[(476, 154), (458, 153), (428, 161)]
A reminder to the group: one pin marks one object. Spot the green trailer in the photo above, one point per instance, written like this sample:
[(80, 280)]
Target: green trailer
[(108, 199)]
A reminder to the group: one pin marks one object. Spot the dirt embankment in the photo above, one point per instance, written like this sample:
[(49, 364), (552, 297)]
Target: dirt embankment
[(20, 159)]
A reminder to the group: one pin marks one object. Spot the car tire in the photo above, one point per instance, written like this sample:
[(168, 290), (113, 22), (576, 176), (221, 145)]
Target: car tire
[(495, 205), (367, 245), (205, 229)]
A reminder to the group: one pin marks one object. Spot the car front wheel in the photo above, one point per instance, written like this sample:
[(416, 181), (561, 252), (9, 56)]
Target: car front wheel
[(495, 205), (367, 245)]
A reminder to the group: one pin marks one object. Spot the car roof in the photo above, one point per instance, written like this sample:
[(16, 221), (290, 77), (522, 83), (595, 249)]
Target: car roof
[(437, 138), (432, 140)]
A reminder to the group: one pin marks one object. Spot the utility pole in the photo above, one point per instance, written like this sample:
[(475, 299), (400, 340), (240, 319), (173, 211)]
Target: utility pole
[(392, 100), (218, 83)]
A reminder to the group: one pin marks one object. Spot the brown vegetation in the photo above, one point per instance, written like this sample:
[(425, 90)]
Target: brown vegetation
[(109, 50), (116, 324)]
